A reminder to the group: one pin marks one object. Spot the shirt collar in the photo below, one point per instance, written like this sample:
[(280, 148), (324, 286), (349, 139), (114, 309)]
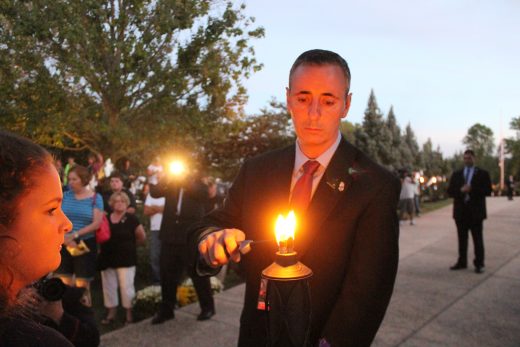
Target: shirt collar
[(324, 158)]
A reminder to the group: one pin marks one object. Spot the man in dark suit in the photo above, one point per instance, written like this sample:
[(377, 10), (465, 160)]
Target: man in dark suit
[(184, 205), (348, 232), (468, 188)]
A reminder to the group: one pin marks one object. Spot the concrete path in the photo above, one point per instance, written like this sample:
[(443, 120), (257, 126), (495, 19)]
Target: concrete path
[(431, 305)]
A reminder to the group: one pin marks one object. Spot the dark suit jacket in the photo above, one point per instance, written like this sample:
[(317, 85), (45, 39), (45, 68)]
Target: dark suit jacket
[(174, 228), (475, 208), (348, 237)]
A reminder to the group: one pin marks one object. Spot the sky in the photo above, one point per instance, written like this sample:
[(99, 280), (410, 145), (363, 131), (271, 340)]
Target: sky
[(444, 65)]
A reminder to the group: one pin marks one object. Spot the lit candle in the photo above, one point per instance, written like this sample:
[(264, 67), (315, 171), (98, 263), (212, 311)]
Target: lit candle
[(284, 231)]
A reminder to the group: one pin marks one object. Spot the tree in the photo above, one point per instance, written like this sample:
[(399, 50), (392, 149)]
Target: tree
[(348, 130), (513, 147), (410, 149), (480, 139), (434, 164), (233, 142), (373, 137), (395, 148), (123, 77)]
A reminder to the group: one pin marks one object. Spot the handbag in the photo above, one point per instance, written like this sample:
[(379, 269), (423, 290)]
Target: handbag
[(103, 233)]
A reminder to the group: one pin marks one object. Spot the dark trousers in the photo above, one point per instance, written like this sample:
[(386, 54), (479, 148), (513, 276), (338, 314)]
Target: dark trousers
[(463, 228), (173, 266)]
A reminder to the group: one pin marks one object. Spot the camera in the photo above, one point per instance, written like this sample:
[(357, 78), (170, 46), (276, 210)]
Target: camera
[(51, 289)]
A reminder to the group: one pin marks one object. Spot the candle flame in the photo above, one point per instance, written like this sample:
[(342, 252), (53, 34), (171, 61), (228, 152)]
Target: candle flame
[(284, 228), (177, 167)]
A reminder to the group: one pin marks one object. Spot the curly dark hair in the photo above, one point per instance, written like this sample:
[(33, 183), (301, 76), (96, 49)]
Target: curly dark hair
[(20, 160)]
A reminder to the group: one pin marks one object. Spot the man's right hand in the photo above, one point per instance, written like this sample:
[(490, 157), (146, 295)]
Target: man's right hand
[(220, 246)]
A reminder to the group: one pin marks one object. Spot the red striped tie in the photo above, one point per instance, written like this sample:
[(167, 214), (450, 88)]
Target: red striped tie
[(301, 195)]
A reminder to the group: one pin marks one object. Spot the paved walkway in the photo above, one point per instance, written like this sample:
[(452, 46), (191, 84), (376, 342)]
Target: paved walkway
[(431, 305)]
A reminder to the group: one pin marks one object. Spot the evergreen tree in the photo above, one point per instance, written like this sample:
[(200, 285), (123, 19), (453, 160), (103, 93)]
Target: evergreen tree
[(395, 140), (433, 161), (410, 149), (373, 137), (513, 147)]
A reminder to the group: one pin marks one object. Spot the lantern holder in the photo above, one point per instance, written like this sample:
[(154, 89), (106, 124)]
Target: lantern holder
[(286, 267)]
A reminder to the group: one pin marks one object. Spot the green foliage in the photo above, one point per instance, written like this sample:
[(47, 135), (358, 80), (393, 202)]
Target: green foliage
[(513, 148), (480, 139), (410, 150), (396, 144), (121, 77), (233, 142), (348, 130), (434, 164), (373, 137)]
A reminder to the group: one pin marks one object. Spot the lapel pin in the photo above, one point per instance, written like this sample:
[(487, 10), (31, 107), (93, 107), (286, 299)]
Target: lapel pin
[(341, 186)]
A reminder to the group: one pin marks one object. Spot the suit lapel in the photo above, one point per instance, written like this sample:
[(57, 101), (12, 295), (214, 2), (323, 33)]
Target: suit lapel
[(333, 185)]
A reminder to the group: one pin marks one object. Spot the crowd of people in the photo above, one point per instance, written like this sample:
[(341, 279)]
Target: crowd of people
[(69, 204), (91, 193), (347, 204)]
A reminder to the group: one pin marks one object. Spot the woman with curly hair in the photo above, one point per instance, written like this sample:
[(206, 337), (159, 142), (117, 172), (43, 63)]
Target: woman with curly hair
[(32, 230)]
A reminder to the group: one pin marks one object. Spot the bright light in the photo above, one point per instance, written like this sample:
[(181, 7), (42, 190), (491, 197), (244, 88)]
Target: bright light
[(284, 228), (434, 180), (177, 168), (421, 179)]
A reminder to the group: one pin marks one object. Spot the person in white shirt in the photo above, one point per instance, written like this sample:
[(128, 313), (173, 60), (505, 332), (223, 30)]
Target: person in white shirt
[(406, 203), (153, 208)]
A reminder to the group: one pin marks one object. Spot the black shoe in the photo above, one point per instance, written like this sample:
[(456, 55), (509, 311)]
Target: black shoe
[(206, 314), (459, 266), (161, 317), (479, 269)]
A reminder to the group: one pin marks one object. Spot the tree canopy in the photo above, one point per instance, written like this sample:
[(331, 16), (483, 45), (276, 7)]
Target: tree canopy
[(123, 76)]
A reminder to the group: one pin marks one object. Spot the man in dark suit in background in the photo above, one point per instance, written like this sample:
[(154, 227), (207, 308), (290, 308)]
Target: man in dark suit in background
[(468, 188), (347, 233), (185, 198)]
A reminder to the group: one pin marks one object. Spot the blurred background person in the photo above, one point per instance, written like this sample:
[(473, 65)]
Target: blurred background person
[(215, 200), (406, 203), (154, 170), (417, 193), (70, 164), (85, 209), (510, 183), (118, 258), (126, 173), (185, 197), (32, 229), (117, 186), (154, 208)]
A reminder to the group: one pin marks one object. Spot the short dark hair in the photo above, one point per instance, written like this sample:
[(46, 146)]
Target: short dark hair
[(117, 174), (470, 152), (84, 175), (321, 57)]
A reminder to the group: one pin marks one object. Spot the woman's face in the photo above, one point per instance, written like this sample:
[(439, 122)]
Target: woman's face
[(119, 205), (38, 229), (75, 182)]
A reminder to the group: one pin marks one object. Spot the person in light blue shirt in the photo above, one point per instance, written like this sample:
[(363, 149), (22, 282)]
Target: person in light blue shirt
[(85, 209)]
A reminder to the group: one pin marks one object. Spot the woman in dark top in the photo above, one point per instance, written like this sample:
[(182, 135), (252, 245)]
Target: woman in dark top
[(118, 257), (32, 229)]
